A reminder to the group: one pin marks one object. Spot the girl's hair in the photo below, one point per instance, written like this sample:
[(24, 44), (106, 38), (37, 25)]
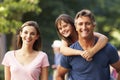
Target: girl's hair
[(37, 43), (87, 13), (67, 19)]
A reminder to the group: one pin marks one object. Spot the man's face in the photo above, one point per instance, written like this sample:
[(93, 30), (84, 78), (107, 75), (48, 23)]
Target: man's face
[(84, 26)]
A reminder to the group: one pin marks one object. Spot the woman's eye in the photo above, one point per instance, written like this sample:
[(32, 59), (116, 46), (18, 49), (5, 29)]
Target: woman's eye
[(65, 25)]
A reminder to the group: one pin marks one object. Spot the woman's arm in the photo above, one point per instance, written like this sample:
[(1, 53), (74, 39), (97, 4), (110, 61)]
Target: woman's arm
[(7, 73), (44, 73)]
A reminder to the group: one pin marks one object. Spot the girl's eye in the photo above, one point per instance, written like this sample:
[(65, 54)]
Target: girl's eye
[(32, 33), (59, 28)]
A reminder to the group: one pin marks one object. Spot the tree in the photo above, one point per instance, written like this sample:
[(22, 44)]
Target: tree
[(11, 17), (106, 13), (12, 11)]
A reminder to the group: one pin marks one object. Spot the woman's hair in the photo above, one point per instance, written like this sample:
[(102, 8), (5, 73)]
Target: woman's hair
[(67, 19), (86, 13), (37, 43)]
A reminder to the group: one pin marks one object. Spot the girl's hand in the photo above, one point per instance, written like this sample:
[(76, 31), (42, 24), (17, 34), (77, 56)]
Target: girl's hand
[(87, 55)]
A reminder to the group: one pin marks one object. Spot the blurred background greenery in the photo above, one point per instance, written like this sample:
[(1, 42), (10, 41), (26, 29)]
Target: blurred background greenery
[(15, 12)]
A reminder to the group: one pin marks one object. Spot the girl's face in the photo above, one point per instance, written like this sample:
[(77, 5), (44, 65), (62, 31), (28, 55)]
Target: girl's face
[(29, 35), (65, 29)]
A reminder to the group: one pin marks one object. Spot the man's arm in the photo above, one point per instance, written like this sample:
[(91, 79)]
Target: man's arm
[(61, 71), (117, 67), (118, 76)]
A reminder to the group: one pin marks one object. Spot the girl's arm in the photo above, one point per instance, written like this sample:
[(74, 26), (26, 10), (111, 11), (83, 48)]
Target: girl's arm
[(67, 51), (102, 41), (44, 73), (7, 73)]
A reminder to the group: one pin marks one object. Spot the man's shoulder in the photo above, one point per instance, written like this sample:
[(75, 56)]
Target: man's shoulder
[(74, 44), (110, 46)]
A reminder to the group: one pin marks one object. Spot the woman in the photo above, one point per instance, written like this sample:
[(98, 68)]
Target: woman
[(28, 62), (66, 30)]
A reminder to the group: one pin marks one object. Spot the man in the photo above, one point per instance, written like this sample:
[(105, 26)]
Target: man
[(80, 69)]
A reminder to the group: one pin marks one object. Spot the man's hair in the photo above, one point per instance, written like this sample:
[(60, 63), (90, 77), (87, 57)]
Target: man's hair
[(86, 13)]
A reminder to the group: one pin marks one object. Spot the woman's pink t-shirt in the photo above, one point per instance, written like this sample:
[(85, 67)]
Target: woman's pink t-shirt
[(28, 72)]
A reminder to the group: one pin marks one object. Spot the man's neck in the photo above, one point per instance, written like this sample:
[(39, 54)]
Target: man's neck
[(87, 43)]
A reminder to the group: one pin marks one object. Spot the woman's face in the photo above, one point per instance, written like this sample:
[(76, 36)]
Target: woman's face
[(65, 29), (29, 35)]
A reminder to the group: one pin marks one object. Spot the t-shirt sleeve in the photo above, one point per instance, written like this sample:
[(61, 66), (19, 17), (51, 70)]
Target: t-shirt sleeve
[(64, 62), (6, 59), (114, 57), (45, 61)]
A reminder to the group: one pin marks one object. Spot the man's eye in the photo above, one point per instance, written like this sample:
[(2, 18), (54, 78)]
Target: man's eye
[(80, 24), (88, 23), (25, 32)]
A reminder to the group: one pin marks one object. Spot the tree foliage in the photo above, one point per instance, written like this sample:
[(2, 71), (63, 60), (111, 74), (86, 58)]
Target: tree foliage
[(107, 14), (12, 11)]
